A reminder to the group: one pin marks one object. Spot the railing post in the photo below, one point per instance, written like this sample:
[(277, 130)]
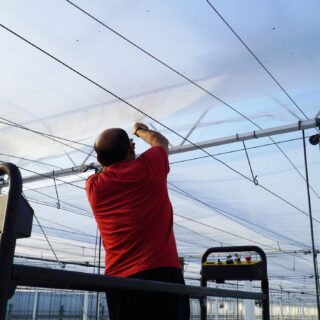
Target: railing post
[(8, 233), (35, 305), (85, 306)]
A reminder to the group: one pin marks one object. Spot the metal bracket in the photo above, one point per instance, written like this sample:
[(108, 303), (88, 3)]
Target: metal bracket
[(254, 177), (55, 186)]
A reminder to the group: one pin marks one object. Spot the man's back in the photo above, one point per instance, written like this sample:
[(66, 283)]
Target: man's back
[(134, 214)]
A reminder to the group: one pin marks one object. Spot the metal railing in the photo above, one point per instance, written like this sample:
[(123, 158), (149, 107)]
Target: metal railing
[(12, 275)]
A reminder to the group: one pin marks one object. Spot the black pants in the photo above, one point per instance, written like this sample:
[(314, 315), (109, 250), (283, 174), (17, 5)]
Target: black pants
[(141, 305)]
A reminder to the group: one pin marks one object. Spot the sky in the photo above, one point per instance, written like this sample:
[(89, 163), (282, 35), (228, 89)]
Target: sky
[(70, 74)]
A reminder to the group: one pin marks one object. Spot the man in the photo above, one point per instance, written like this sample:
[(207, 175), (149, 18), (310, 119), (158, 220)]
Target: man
[(130, 202)]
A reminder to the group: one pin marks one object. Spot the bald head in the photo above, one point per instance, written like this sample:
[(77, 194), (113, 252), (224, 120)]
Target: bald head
[(112, 146)]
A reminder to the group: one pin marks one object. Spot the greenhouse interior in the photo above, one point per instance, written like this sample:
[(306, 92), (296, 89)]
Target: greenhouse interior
[(235, 88)]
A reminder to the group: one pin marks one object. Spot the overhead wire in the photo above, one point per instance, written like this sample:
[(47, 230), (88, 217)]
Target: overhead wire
[(116, 97), (227, 232), (195, 221), (61, 201), (180, 240), (67, 231), (63, 243), (142, 112), (202, 202), (50, 177), (172, 162), (236, 235), (235, 150), (217, 229), (200, 234), (47, 240), (12, 124), (198, 86), (158, 60), (175, 187), (30, 160), (46, 135), (68, 253), (67, 227), (234, 218), (47, 204), (255, 57)]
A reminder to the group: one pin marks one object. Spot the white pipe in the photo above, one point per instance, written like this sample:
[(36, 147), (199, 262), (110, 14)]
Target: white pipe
[(300, 125), (35, 305), (249, 308)]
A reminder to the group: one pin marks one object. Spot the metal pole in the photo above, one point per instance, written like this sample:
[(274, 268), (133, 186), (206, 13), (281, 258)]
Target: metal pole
[(35, 305), (98, 295), (8, 236), (314, 252), (73, 280), (249, 310), (85, 306), (307, 124), (216, 304)]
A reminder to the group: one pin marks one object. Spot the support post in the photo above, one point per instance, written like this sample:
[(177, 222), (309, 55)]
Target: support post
[(35, 305), (85, 306), (216, 304), (98, 294), (307, 124), (8, 235), (249, 304), (314, 251)]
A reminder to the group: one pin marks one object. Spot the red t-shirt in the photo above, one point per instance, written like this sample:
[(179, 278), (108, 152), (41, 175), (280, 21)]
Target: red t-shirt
[(131, 205)]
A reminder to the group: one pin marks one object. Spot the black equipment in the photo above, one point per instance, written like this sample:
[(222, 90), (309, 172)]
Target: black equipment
[(234, 268)]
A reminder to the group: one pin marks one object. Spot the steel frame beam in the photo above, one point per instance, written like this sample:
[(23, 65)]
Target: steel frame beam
[(61, 279), (298, 126)]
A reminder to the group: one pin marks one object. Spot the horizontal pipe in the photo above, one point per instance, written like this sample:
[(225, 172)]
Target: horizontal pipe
[(301, 125), (60, 279)]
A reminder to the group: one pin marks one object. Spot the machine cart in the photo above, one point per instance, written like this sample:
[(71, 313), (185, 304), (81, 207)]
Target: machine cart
[(234, 267)]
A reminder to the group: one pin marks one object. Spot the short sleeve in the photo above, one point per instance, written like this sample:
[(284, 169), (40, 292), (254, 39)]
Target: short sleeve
[(156, 158)]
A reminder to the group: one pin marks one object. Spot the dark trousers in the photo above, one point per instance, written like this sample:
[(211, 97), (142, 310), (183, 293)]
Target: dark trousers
[(141, 305)]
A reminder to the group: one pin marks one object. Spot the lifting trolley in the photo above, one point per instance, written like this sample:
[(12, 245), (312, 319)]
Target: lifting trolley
[(235, 269)]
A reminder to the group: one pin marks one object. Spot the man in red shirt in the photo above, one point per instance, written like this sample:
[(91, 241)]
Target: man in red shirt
[(130, 202)]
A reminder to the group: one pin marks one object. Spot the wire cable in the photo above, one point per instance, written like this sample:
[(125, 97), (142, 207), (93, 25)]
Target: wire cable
[(50, 177), (200, 87), (51, 197), (159, 60), (135, 108), (43, 203), (256, 58), (51, 248), (64, 226), (124, 101), (235, 150), (227, 232), (43, 135), (233, 218), (46, 135), (30, 160)]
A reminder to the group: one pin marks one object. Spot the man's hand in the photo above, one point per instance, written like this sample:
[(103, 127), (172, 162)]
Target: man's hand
[(151, 137), (138, 126)]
